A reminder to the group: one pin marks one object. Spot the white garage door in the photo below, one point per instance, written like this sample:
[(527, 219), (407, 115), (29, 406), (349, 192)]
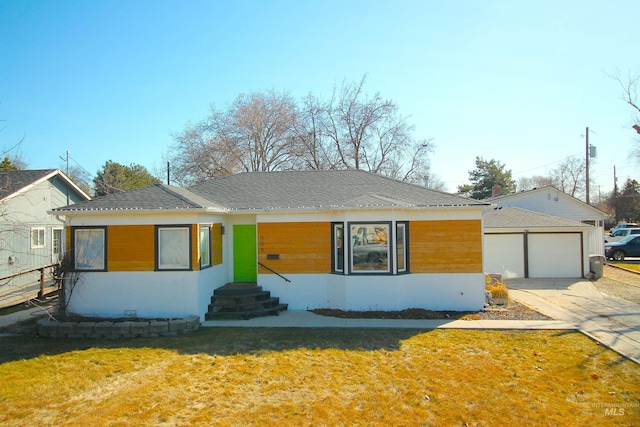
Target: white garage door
[(555, 255), (504, 254)]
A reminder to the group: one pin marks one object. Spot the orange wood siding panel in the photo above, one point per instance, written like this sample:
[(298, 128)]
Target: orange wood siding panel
[(302, 247), (195, 247), (131, 248), (452, 246), (216, 244)]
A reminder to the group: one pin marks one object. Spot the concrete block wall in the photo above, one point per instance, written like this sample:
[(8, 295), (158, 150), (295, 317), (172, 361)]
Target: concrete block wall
[(114, 330)]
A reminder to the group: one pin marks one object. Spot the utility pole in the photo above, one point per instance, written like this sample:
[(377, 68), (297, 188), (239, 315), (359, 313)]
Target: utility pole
[(67, 173), (168, 174), (587, 157), (615, 193)]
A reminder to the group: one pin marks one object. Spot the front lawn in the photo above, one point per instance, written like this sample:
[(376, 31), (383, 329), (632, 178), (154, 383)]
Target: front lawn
[(238, 376)]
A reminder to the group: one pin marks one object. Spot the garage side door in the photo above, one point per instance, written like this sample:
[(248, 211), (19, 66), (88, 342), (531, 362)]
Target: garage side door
[(555, 255), (504, 254)]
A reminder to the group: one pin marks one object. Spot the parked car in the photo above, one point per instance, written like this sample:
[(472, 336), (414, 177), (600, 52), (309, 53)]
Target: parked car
[(620, 233), (628, 246), (621, 225)]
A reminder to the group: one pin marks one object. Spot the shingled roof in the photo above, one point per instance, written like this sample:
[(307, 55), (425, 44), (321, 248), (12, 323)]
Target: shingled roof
[(153, 197), (15, 181), (294, 190), (513, 217), (12, 181)]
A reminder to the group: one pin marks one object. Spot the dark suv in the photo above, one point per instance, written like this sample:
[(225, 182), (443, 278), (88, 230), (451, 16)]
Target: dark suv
[(626, 247)]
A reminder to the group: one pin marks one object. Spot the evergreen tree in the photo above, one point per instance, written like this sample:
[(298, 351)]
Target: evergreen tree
[(115, 177), (484, 177)]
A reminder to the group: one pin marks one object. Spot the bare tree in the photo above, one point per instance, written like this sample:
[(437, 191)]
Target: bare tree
[(254, 134), (536, 181), (313, 149), (629, 93), (368, 133), (261, 126), (269, 131), (570, 176), (204, 151)]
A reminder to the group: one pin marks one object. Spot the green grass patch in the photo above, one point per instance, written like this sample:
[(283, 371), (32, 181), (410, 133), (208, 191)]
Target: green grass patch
[(629, 266), (372, 377)]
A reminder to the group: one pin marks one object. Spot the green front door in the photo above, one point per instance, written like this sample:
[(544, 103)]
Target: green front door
[(245, 260)]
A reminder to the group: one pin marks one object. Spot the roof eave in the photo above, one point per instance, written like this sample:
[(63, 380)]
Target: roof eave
[(136, 211)]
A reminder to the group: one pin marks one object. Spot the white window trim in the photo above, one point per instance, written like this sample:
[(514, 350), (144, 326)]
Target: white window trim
[(389, 251), (206, 228), (172, 266), (38, 243)]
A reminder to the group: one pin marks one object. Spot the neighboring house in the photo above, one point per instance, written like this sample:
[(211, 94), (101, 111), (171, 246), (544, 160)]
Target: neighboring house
[(521, 243), (551, 201), (347, 240), (31, 237)]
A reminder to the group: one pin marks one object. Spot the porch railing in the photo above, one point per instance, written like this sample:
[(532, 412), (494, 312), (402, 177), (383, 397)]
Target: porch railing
[(274, 272)]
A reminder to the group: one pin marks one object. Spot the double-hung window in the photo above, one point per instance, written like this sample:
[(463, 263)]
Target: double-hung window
[(402, 258), (89, 248), (173, 247), (205, 246), (338, 247), (37, 237)]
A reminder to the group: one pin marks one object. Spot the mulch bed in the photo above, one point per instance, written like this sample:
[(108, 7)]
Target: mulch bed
[(513, 311)]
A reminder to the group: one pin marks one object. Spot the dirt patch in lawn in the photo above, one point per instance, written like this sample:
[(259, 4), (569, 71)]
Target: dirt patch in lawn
[(512, 311)]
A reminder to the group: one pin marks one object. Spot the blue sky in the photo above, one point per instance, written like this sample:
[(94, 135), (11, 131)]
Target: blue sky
[(514, 81)]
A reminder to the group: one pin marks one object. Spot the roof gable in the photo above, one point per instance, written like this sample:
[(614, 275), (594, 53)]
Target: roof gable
[(13, 182), (513, 217), (551, 201)]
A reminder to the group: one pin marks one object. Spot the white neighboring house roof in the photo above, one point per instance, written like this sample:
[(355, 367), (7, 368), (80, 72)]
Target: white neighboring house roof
[(551, 201), (504, 219), (16, 182)]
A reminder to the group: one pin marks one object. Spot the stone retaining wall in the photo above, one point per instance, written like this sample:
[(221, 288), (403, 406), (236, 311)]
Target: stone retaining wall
[(125, 329)]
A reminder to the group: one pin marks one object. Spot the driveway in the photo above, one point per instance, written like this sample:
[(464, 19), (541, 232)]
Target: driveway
[(609, 320)]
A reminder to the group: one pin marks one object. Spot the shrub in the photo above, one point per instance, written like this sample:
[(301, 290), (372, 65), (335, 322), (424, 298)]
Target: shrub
[(498, 291)]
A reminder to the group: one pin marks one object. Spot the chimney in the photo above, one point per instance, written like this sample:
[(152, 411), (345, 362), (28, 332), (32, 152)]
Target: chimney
[(496, 190)]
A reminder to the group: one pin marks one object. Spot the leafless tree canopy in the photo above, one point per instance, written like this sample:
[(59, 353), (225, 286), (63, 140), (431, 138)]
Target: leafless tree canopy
[(629, 93), (270, 131), (536, 181), (570, 176)]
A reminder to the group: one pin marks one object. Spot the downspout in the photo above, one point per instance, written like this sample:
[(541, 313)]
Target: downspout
[(525, 242)]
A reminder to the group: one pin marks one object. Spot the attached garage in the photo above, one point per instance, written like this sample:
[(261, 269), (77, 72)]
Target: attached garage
[(521, 243)]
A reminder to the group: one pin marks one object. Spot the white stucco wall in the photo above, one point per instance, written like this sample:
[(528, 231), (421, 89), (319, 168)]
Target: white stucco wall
[(149, 294), (455, 292)]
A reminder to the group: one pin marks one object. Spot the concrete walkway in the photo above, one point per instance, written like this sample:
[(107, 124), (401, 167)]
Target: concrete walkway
[(609, 320), (307, 319), (22, 315)]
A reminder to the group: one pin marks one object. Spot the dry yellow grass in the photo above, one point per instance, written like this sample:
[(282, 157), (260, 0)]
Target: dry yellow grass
[(253, 377), (498, 290)]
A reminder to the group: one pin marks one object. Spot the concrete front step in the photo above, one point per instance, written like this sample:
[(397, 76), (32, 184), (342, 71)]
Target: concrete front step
[(244, 315), (242, 301)]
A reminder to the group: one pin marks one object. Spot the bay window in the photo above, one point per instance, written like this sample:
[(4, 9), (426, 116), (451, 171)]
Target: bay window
[(369, 247)]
